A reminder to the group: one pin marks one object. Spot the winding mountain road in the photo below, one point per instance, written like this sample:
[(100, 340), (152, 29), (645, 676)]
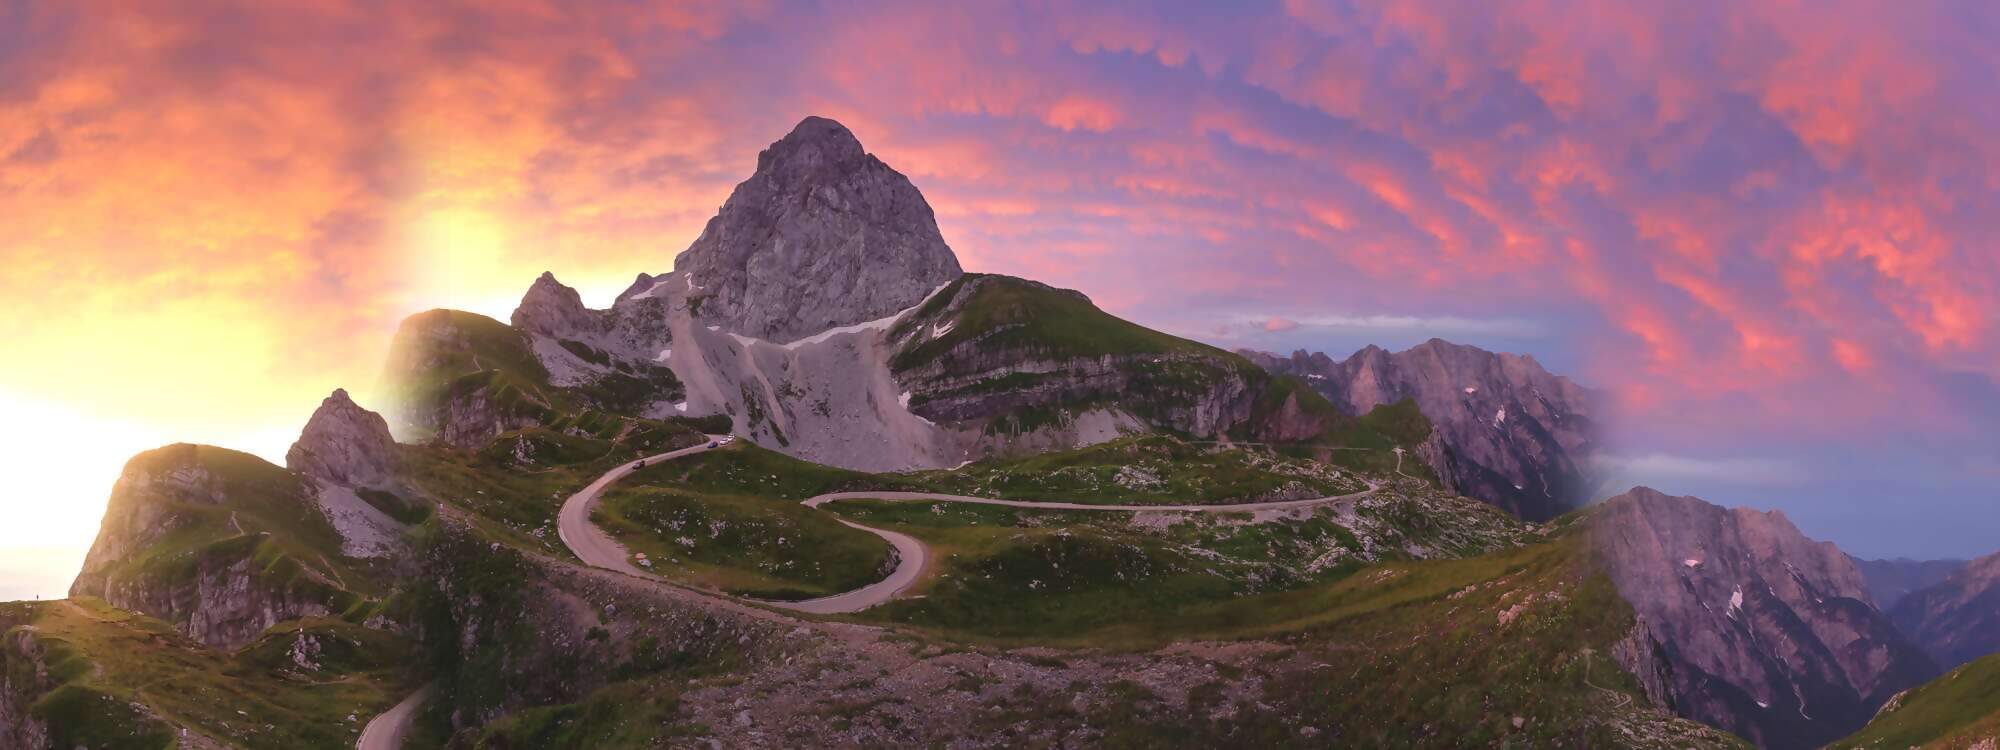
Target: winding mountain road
[(598, 549), (590, 544), (387, 729)]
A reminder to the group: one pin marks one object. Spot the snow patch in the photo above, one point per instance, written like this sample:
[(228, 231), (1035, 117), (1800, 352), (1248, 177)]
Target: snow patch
[(659, 284), (1690, 563), (681, 407), (943, 328), (876, 325), (904, 399), (1469, 390), (1500, 416), (664, 354)]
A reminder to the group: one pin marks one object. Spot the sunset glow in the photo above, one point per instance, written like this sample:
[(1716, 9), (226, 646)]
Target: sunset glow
[(1768, 231)]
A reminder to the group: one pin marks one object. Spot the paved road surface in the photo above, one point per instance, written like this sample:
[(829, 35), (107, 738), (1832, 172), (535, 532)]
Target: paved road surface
[(386, 731), (590, 544), (598, 549)]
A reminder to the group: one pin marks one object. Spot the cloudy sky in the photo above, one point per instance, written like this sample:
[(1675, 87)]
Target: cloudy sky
[(1767, 231)]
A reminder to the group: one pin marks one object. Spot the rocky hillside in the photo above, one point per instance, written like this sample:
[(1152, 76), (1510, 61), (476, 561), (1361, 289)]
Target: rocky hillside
[(1760, 630), (822, 235), (1507, 431), (221, 545), (1891, 580), (1958, 619)]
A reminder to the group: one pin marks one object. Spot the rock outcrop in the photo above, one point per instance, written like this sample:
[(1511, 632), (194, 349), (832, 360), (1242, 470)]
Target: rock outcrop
[(1958, 619), (344, 444), (1506, 430), (347, 454), (823, 235), (1765, 633)]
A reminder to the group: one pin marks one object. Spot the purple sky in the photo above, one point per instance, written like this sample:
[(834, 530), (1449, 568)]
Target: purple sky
[(1767, 229)]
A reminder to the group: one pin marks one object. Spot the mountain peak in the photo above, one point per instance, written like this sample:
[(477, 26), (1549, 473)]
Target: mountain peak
[(344, 444), (551, 308), (822, 235), (815, 140)]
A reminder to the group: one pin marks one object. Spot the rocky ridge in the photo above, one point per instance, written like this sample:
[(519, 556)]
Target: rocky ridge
[(1763, 632), (1958, 619), (1506, 430), (1891, 580)]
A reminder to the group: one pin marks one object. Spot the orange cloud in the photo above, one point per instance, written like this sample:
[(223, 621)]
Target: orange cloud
[(1076, 112)]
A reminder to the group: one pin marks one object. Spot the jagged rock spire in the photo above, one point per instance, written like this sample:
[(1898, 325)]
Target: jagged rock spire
[(344, 444)]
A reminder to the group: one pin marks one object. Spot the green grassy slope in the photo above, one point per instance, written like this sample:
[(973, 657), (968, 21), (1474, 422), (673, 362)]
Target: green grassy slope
[(1442, 654), (1140, 470), (240, 507), (731, 520), (951, 352), (1006, 313), (1953, 712), (513, 488), (1020, 576), (129, 681)]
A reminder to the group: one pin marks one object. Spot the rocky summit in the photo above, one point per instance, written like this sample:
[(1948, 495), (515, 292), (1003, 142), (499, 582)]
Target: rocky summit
[(822, 235)]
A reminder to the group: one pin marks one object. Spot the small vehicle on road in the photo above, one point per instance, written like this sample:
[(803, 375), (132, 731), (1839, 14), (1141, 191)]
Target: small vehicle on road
[(714, 443), (640, 464)]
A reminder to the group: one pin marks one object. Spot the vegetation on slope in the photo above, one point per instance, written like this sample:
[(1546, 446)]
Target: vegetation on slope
[(1025, 576), (124, 680), (211, 509), (513, 488), (1006, 313), (446, 356), (1143, 470), (1504, 650), (1957, 711), (732, 520)]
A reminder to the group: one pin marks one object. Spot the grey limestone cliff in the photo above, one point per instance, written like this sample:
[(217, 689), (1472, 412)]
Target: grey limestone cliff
[(823, 235)]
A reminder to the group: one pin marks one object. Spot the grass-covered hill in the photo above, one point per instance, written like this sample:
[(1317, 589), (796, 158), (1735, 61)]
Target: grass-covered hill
[(222, 545), (92, 675), (1959, 711), (1019, 355)]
